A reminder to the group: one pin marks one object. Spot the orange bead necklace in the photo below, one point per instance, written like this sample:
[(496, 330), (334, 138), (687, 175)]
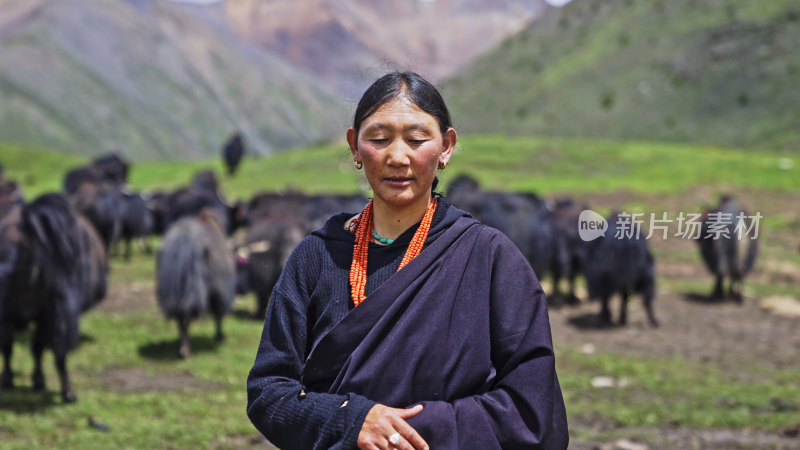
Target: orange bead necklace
[(364, 225)]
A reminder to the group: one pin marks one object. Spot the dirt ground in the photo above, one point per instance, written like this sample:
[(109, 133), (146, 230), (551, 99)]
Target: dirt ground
[(725, 334)]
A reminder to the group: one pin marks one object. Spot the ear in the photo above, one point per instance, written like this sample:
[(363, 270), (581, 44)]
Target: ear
[(352, 141), (448, 145)]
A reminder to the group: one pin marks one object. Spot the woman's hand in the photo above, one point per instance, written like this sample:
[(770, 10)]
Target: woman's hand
[(382, 422)]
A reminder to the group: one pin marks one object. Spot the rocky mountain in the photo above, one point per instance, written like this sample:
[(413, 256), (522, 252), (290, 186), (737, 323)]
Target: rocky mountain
[(350, 42), (709, 71), (151, 79)]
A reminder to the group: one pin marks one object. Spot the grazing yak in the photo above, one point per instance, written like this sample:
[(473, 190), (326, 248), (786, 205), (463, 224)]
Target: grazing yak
[(52, 268), (728, 251), (109, 169), (195, 273), (102, 206), (136, 221), (232, 152), (168, 207), (570, 250), (524, 218), (268, 244), (276, 223), (620, 263)]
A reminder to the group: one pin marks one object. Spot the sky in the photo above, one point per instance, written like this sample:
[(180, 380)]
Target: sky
[(197, 2), (557, 2)]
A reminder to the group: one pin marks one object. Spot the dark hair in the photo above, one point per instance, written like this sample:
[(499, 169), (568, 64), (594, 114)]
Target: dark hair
[(390, 86)]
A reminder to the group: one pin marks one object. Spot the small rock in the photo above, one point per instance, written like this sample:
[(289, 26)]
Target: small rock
[(624, 444), (781, 305), (97, 425), (602, 382), (792, 431), (588, 349), (609, 382)]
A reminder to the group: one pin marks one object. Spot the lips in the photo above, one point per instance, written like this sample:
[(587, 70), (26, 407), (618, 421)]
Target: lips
[(398, 181)]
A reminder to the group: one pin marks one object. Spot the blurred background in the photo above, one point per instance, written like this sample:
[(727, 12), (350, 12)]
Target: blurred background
[(143, 114)]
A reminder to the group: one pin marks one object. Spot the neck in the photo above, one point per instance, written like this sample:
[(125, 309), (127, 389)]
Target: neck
[(391, 222)]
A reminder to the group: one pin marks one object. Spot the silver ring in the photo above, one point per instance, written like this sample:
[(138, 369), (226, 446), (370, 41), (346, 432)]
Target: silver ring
[(394, 439)]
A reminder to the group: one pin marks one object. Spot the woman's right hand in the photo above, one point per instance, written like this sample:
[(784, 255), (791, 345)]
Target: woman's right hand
[(382, 422)]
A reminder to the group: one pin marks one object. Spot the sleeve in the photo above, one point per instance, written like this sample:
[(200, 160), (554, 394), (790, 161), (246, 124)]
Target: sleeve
[(274, 401), (522, 407)]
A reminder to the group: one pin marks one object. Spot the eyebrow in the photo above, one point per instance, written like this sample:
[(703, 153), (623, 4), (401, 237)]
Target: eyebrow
[(418, 126)]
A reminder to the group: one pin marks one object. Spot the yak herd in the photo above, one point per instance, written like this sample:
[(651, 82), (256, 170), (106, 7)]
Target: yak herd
[(54, 250)]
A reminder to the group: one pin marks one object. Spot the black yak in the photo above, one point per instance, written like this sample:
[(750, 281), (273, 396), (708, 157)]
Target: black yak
[(620, 263), (136, 221), (111, 168), (569, 253), (58, 270), (276, 223), (79, 176), (203, 192), (727, 249), (196, 273), (268, 244), (232, 152), (103, 206), (524, 218)]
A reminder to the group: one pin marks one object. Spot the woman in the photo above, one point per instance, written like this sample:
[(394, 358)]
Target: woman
[(409, 325)]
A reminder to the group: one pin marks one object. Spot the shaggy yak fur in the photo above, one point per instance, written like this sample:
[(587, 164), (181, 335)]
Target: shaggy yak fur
[(52, 268), (196, 273)]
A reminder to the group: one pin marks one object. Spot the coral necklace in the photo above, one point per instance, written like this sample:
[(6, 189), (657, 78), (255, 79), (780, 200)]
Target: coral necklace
[(364, 226)]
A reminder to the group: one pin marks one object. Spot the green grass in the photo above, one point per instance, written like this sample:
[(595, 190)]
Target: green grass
[(542, 165), (556, 165), (200, 402), (676, 392)]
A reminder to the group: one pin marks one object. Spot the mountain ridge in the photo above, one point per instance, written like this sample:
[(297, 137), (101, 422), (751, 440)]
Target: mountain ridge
[(720, 72), (149, 79)]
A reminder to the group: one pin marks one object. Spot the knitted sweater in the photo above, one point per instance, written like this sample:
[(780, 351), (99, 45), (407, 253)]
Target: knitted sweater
[(310, 298)]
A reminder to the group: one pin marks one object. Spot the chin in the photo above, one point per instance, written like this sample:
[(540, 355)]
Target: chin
[(404, 199)]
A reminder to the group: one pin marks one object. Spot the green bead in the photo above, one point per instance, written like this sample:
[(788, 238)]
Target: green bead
[(382, 240)]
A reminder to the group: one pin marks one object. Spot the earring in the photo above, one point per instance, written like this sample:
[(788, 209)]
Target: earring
[(442, 165), (358, 164)]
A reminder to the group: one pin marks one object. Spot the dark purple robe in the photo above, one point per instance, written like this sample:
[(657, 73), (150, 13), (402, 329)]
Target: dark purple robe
[(462, 329)]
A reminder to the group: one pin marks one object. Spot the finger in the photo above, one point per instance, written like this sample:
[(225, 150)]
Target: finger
[(409, 436), (409, 412)]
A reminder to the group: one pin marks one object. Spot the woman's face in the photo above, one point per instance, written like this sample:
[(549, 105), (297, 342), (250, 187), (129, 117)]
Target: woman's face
[(401, 147)]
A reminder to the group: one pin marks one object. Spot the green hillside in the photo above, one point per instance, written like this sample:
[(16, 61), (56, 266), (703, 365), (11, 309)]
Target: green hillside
[(150, 79), (547, 166), (723, 72)]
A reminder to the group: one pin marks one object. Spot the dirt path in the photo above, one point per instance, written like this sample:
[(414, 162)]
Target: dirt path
[(726, 334)]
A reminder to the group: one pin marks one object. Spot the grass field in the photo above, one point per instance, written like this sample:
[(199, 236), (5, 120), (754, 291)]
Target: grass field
[(127, 379)]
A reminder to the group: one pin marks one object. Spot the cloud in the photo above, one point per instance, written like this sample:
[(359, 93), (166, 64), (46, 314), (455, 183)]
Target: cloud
[(197, 2)]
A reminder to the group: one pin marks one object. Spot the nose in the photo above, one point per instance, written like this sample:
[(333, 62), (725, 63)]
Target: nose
[(398, 153)]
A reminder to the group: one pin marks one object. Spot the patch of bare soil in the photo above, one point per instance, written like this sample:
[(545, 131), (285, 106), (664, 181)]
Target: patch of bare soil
[(255, 440), (131, 297), (135, 380), (667, 438), (727, 334)]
